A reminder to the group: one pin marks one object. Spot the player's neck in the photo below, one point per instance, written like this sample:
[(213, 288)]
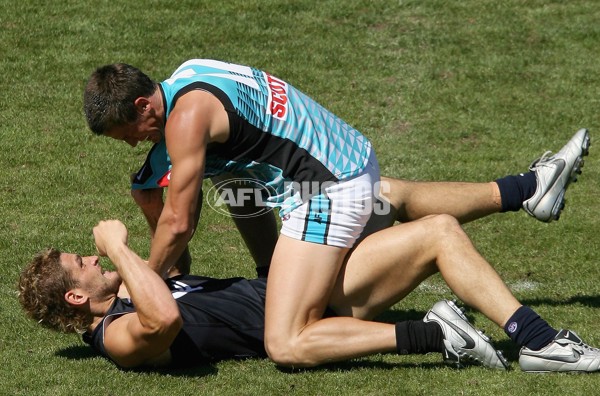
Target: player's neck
[(123, 292), (99, 310)]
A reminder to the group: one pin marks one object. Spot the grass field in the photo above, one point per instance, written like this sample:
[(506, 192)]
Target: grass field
[(446, 90)]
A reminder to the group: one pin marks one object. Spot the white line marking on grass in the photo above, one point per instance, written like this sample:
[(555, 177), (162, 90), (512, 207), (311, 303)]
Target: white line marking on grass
[(523, 285)]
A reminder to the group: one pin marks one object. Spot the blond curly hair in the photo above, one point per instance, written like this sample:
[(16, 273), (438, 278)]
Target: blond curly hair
[(42, 287)]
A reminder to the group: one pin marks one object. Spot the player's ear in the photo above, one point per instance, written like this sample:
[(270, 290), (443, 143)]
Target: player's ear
[(141, 104), (76, 298)]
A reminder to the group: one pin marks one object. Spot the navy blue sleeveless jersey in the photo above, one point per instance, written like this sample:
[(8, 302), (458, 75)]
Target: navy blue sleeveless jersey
[(222, 319)]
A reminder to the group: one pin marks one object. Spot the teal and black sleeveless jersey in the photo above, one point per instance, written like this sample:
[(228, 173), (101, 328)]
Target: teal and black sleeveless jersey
[(278, 135)]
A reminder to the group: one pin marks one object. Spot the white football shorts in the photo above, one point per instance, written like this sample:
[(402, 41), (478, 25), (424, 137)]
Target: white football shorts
[(337, 215)]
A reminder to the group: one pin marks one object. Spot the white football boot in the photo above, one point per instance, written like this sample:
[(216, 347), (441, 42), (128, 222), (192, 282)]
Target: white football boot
[(463, 343), (554, 174)]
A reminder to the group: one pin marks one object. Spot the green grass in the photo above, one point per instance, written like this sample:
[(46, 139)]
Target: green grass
[(446, 90)]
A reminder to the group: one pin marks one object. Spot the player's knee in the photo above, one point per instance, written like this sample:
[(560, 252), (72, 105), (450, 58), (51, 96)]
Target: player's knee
[(280, 351), (286, 352), (445, 227)]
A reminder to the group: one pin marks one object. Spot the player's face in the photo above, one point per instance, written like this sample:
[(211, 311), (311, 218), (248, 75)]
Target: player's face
[(146, 127), (90, 275)]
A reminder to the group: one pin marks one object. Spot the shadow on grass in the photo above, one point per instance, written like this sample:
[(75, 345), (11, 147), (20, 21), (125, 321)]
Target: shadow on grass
[(197, 371), (84, 352), (587, 301), (362, 365), (77, 352)]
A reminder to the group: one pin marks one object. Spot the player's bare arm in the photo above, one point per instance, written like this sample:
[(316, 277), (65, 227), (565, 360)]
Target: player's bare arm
[(197, 119), (137, 338)]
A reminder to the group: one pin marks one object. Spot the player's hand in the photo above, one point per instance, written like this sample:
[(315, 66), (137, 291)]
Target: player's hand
[(109, 233)]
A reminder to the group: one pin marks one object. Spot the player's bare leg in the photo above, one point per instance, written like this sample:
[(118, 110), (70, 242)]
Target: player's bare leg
[(388, 265), (465, 201), (300, 282)]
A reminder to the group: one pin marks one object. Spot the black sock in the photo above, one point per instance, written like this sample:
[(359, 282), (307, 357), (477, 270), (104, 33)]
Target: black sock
[(514, 190), (526, 328), (418, 337)]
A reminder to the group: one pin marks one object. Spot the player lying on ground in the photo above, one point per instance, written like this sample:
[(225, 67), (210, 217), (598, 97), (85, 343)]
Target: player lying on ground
[(136, 318), (382, 269)]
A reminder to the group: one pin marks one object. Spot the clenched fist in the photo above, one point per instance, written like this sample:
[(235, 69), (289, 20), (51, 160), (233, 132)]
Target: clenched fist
[(109, 233)]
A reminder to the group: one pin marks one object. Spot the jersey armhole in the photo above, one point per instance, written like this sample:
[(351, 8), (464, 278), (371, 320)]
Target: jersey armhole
[(218, 93)]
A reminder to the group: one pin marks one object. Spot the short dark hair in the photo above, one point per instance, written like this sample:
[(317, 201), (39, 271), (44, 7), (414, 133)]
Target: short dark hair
[(109, 95), (42, 287)]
